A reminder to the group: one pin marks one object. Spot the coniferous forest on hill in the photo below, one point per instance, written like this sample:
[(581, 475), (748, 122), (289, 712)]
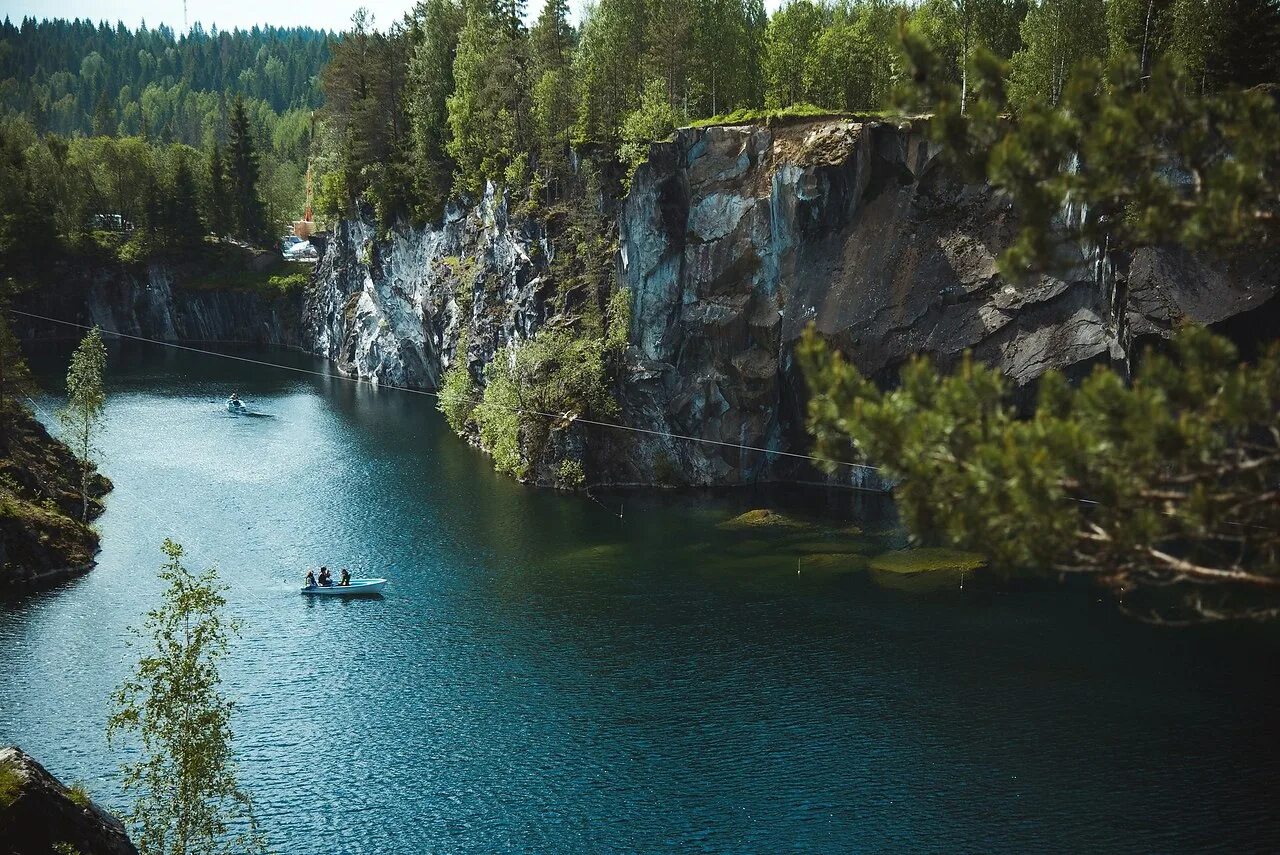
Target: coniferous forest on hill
[(404, 115), (159, 129)]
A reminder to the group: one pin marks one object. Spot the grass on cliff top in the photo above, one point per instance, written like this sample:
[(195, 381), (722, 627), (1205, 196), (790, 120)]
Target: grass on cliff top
[(11, 783), (786, 115), (230, 268)]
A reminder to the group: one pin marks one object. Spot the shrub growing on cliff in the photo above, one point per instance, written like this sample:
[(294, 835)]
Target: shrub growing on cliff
[(653, 120), (1164, 490), (539, 387), (15, 377), (618, 318), (187, 795), (498, 417), (458, 393), (86, 397)]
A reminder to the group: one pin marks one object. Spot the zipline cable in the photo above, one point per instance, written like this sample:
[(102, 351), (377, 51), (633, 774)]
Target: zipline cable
[(437, 395)]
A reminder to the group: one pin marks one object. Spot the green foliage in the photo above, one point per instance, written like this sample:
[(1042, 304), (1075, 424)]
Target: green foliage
[(765, 117), (184, 780), (248, 219), (498, 417), (571, 474), (838, 69), (488, 108), (652, 121), (11, 783), (619, 321), (458, 392), (788, 42), (1143, 160), (79, 78), (79, 794), (364, 128), (1168, 482), (434, 41), (1057, 35), (82, 417), (536, 388), (15, 378)]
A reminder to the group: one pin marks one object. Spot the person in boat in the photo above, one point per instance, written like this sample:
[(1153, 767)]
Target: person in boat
[(345, 579), (311, 579), (325, 578)]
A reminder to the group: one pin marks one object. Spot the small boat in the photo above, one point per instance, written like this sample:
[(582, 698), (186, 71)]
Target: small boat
[(235, 405), (357, 587)]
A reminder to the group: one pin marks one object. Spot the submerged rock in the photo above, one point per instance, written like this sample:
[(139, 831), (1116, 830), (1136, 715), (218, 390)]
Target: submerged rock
[(924, 570), (40, 816), (762, 518)]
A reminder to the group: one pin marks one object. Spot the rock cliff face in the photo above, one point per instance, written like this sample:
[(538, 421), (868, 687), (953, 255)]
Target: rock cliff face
[(731, 241), (391, 310), (155, 302)]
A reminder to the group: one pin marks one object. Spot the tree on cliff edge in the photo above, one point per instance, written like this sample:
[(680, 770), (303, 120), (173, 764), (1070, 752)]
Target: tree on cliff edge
[(82, 417), (247, 215), (187, 794)]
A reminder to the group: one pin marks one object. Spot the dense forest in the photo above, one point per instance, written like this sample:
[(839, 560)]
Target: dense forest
[(214, 131), (134, 142), (462, 92), (76, 77)]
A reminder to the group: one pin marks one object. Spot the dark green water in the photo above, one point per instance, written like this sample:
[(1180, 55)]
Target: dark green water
[(544, 678)]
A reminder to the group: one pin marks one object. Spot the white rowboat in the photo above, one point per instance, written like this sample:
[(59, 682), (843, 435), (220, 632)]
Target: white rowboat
[(357, 588)]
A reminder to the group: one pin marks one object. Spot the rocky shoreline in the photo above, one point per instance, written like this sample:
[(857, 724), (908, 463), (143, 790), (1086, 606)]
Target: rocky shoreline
[(40, 814), (42, 540)]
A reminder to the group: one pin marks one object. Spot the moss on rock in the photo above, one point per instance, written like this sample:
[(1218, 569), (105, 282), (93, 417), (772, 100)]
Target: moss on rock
[(762, 518), (924, 570)]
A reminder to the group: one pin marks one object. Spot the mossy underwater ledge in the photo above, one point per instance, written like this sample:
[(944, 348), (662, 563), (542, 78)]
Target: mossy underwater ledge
[(42, 541)]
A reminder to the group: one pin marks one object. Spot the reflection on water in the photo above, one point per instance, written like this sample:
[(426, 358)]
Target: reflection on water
[(542, 676)]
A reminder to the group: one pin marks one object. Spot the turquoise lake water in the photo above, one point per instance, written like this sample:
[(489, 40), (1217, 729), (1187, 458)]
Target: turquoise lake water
[(543, 677)]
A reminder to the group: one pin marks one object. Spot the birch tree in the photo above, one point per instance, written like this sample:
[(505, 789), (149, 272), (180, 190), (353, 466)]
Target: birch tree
[(187, 796), (82, 417)]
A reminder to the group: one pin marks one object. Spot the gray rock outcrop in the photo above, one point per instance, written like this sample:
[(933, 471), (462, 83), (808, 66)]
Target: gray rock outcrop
[(732, 240), (38, 813)]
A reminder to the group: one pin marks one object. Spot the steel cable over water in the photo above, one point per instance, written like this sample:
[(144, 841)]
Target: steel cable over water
[(519, 410)]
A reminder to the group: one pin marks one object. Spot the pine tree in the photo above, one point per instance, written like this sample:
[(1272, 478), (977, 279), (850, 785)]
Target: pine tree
[(488, 111), (1179, 470), (184, 205), (217, 204), (552, 101), (428, 87), (246, 207)]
